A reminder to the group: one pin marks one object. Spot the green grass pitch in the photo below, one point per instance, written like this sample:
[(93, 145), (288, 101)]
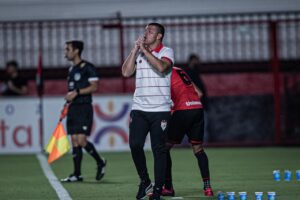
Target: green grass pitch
[(232, 169)]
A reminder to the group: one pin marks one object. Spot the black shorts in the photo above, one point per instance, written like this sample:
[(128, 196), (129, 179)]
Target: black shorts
[(189, 122), (141, 123), (80, 119)]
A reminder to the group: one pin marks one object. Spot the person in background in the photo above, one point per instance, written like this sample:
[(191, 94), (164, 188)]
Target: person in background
[(82, 82), (192, 70), (14, 85)]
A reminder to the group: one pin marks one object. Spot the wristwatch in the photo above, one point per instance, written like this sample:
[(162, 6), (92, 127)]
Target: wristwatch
[(78, 91)]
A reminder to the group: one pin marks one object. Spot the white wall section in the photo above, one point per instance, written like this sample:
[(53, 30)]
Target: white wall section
[(72, 9)]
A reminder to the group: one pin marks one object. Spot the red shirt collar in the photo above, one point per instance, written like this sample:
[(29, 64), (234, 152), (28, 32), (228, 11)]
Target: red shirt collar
[(158, 48)]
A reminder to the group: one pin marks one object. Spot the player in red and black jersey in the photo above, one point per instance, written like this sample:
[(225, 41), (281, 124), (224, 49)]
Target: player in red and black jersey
[(187, 118)]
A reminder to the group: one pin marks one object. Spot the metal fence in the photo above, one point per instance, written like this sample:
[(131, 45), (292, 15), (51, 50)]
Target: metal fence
[(216, 38)]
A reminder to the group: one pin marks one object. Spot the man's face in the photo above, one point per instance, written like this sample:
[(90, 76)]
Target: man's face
[(151, 34), (10, 70), (194, 62), (70, 53)]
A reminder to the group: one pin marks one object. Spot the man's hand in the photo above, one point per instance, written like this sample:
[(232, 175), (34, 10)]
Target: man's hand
[(140, 44), (11, 86), (70, 96), (128, 67), (136, 46)]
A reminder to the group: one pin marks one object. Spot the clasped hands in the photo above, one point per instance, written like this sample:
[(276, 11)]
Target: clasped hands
[(140, 44)]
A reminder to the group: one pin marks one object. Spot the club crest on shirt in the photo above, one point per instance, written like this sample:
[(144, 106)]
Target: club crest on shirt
[(163, 124), (77, 76), (82, 64)]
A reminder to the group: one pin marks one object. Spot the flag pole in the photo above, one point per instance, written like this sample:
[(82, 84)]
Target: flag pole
[(39, 85), (41, 122)]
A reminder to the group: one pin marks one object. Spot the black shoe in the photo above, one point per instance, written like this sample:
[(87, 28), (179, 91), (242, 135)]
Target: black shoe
[(155, 196), (101, 170), (156, 193), (145, 188), (72, 178)]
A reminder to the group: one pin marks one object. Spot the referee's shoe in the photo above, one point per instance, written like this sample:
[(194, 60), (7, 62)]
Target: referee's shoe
[(101, 170), (72, 178)]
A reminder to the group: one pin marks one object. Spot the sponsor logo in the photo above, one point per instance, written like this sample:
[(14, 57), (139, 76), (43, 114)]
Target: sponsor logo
[(191, 103), (113, 126), (82, 64), (77, 76)]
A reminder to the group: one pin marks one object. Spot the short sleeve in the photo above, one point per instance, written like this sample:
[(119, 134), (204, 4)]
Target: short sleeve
[(168, 53), (92, 73)]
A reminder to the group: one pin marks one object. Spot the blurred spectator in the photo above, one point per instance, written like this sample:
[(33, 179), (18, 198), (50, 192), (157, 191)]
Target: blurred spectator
[(14, 84), (192, 69)]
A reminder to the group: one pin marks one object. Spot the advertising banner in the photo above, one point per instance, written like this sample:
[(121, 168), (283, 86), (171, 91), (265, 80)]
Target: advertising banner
[(19, 123)]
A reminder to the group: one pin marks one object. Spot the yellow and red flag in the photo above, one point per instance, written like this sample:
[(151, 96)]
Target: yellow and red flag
[(58, 144)]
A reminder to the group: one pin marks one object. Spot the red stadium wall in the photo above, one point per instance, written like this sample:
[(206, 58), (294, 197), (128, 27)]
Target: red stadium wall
[(240, 109), (216, 85)]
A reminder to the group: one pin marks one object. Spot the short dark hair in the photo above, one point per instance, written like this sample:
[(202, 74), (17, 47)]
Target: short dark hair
[(192, 57), (161, 28), (12, 63), (77, 44)]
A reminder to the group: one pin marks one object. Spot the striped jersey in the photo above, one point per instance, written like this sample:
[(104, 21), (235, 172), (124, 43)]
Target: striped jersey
[(183, 93), (152, 88)]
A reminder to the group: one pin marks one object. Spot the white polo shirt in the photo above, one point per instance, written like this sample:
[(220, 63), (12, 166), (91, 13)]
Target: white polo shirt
[(152, 92)]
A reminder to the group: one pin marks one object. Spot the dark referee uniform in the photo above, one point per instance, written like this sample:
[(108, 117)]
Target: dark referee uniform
[(80, 114)]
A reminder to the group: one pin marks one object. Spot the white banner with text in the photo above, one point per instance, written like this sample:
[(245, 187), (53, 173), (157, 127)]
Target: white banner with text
[(20, 123)]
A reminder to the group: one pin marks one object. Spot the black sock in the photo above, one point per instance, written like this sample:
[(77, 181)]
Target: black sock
[(206, 183), (90, 148), (168, 180), (77, 157), (203, 166)]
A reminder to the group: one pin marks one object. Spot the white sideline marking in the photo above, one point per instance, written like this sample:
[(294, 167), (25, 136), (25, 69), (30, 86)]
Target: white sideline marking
[(57, 186)]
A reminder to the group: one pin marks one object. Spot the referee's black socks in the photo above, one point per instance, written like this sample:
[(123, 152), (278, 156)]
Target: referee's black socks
[(90, 148), (203, 166), (77, 157)]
